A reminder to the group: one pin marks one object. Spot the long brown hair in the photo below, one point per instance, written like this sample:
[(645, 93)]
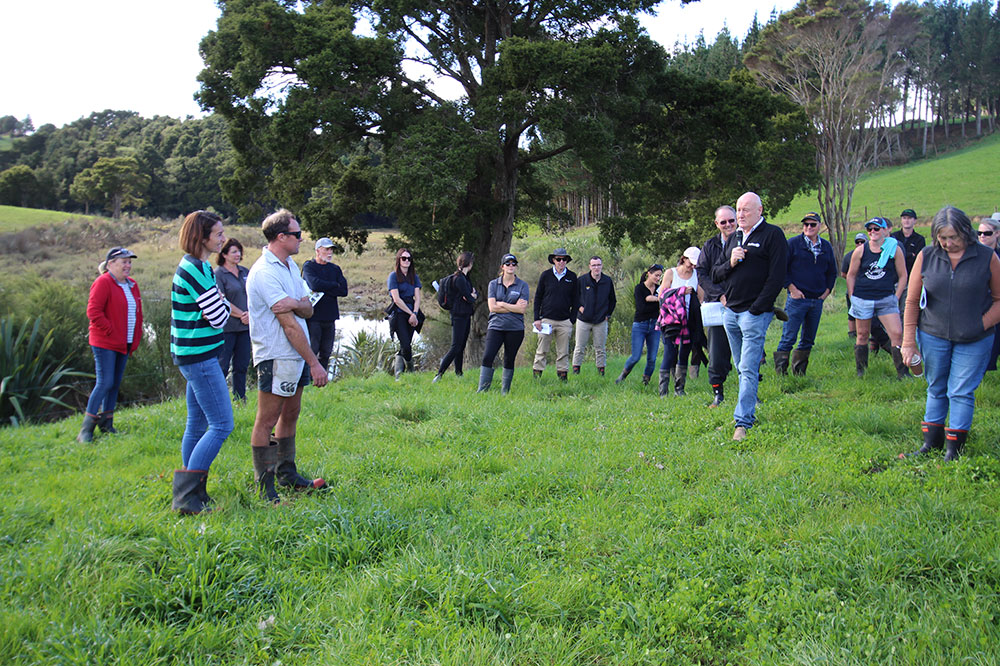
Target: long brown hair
[(409, 276), (196, 228), (232, 242)]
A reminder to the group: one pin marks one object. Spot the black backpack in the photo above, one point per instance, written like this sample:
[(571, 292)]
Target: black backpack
[(444, 297)]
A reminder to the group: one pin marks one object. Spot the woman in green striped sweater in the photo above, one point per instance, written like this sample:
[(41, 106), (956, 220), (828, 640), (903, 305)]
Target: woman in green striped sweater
[(198, 311)]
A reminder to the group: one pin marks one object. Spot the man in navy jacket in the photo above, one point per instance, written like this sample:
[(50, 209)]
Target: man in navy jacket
[(810, 276), (324, 277)]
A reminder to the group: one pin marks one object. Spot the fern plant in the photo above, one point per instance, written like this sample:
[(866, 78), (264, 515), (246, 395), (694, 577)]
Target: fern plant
[(32, 374)]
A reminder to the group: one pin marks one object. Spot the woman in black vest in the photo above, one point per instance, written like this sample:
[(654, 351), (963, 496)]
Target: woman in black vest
[(463, 297), (952, 305)]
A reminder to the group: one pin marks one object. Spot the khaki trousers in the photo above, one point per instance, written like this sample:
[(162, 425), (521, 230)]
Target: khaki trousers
[(561, 330), (583, 331)]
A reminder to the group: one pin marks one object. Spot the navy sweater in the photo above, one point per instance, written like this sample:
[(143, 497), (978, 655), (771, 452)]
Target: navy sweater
[(810, 273)]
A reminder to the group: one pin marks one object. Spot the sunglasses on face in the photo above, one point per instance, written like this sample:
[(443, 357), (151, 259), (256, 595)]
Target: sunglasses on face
[(727, 222), (406, 258), (510, 263), (858, 242), (559, 259), (297, 234), (810, 224), (984, 233), (871, 229)]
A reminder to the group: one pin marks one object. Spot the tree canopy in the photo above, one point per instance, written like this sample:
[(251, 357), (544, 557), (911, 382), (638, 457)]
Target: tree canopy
[(333, 112)]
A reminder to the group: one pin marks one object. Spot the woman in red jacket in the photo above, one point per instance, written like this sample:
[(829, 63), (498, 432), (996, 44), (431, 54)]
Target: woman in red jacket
[(115, 312)]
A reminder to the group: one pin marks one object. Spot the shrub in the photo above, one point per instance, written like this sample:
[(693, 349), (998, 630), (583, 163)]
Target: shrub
[(32, 375), (370, 353)]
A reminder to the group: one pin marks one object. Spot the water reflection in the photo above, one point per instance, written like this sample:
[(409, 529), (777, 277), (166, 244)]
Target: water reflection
[(433, 341)]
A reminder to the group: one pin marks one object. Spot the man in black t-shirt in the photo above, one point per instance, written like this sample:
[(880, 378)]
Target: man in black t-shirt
[(911, 242)]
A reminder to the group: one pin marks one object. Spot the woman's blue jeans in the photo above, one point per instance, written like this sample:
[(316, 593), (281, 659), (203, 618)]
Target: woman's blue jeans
[(953, 371), (109, 366), (210, 413), (644, 332)]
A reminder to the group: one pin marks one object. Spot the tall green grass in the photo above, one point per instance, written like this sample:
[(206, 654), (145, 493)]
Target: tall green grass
[(576, 523)]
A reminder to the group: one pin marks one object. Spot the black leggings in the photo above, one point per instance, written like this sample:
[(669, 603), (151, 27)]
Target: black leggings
[(511, 341), (404, 333), (459, 336)]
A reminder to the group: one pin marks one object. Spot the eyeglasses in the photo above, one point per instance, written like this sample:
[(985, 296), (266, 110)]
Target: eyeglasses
[(560, 258), (406, 258), (985, 233), (297, 234), (810, 224), (726, 222)]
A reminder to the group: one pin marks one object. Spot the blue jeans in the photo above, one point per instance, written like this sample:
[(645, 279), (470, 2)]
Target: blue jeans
[(236, 346), (210, 413), (673, 353), (109, 366), (746, 333), (802, 313), (644, 332), (953, 371)]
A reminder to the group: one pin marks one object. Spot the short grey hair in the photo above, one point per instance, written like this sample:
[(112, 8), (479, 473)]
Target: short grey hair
[(725, 207), (952, 217)]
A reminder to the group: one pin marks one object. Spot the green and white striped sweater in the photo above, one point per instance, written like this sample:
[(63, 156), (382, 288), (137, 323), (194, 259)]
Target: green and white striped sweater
[(197, 312)]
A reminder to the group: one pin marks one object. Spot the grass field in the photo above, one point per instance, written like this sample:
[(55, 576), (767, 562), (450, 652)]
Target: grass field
[(584, 523), (14, 218), (965, 178)]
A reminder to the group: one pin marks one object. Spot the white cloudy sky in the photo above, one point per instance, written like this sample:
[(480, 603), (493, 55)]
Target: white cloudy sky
[(63, 59)]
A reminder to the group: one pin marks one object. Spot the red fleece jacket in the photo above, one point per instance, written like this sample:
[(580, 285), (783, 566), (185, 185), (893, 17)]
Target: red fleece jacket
[(107, 310)]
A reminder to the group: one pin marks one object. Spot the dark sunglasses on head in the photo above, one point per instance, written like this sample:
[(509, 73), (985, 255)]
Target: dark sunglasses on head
[(810, 224), (985, 233), (297, 234)]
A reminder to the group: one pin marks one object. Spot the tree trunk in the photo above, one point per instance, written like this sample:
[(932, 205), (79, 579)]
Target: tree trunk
[(979, 117), (116, 201)]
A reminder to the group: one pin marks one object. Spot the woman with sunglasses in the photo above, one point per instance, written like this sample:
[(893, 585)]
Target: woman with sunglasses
[(644, 331), (953, 305), (404, 287), (988, 234), (875, 281), (508, 297)]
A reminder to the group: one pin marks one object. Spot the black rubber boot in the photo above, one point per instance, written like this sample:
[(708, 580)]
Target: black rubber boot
[(398, 367), (87, 430), (485, 378), (645, 380), (563, 376), (800, 361), (861, 359), (576, 369), (933, 439), (286, 473), (719, 397), (537, 373), (625, 372), (600, 371), (506, 378), (188, 487), (665, 377), (106, 422), (265, 462), (902, 372), (781, 362), (680, 378), (954, 443)]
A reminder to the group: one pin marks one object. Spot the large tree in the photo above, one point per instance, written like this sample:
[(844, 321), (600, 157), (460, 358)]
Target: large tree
[(837, 59), (114, 181)]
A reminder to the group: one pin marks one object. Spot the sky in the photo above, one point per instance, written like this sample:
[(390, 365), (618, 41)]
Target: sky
[(64, 59)]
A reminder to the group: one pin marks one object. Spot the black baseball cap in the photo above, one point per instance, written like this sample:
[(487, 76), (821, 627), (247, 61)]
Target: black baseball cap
[(908, 212), (120, 253), (812, 216)]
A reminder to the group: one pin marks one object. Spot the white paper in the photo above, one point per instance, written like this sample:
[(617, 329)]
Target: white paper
[(546, 329), (711, 314)]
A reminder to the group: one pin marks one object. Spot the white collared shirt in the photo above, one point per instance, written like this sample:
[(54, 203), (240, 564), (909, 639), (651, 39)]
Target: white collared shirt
[(269, 281)]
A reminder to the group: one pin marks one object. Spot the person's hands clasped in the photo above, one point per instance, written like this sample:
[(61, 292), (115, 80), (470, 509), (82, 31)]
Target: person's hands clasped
[(413, 320)]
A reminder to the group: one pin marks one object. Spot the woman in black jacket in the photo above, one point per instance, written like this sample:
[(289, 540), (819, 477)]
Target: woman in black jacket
[(462, 295)]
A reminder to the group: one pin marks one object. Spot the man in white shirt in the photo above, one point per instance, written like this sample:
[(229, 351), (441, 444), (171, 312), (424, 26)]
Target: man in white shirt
[(279, 306)]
